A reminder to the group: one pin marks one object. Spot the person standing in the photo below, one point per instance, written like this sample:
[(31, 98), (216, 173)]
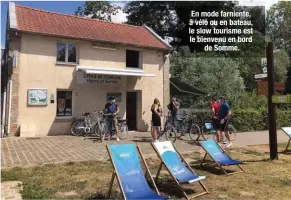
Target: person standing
[(112, 108), (224, 114), (215, 106), (173, 107), (156, 118)]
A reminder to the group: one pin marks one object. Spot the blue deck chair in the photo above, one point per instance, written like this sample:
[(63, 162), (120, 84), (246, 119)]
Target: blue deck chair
[(129, 174), (178, 168), (287, 130), (219, 156)]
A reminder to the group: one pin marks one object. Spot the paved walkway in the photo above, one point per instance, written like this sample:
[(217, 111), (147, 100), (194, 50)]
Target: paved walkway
[(59, 149), (10, 190)]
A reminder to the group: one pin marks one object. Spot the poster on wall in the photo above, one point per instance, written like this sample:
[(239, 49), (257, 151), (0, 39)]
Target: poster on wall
[(61, 106), (116, 95), (37, 97)]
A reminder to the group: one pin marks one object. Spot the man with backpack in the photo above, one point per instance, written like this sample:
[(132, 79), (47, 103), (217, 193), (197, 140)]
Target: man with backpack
[(173, 107)]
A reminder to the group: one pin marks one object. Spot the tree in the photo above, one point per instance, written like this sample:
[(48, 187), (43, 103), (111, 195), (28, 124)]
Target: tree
[(281, 64), (215, 74), (279, 31), (158, 15), (170, 19), (278, 27), (102, 10)]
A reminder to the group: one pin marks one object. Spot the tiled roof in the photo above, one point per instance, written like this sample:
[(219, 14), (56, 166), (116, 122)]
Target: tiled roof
[(44, 22)]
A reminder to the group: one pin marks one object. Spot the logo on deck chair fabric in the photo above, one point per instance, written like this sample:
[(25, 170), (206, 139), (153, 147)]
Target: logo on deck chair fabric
[(166, 147), (133, 172), (122, 155), (128, 190), (177, 170)]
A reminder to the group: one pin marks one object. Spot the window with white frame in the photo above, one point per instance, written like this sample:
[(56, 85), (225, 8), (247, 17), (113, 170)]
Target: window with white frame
[(66, 52), (64, 103), (132, 58)]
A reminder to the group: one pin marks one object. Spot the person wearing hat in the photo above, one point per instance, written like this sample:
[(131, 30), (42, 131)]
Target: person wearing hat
[(113, 108), (224, 114)]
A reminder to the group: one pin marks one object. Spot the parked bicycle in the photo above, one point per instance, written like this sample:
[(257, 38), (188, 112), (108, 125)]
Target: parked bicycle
[(209, 133), (89, 124), (105, 125), (169, 133), (185, 125)]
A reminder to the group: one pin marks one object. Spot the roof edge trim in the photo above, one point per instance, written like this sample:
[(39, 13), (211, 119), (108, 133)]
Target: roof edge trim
[(12, 16), (157, 36)]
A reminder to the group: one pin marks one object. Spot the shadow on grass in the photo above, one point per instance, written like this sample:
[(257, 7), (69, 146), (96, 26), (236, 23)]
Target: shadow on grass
[(212, 168), (103, 195), (254, 161), (288, 152)]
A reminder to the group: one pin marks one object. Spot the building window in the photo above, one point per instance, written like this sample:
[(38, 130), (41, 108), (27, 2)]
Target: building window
[(64, 103), (66, 52), (132, 58)]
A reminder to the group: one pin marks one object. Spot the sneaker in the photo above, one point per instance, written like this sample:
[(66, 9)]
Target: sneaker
[(156, 141), (224, 142), (229, 145), (117, 139)]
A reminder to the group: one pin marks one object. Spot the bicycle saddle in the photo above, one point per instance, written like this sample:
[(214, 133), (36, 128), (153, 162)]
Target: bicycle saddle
[(86, 114)]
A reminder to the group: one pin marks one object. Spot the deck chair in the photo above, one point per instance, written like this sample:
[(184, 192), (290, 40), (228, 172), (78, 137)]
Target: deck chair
[(219, 156), (130, 176), (177, 167), (287, 130)]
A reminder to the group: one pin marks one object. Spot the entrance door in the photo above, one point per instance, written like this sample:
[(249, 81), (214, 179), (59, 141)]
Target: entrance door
[(131, 107)]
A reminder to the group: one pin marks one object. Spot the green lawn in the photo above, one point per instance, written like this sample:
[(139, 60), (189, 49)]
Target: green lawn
[(263, 179)]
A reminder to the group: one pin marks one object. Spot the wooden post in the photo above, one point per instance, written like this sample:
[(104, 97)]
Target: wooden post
[(271, 106)]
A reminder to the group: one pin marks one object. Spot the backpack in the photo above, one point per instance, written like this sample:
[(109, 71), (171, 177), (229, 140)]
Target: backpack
[(170, 106)]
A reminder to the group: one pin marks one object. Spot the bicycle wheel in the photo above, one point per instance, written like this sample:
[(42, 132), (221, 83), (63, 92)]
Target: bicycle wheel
[(77, 128), (232, 132), (207, 134), (194, 132), (98, 129), (123, 131), (170, 133)]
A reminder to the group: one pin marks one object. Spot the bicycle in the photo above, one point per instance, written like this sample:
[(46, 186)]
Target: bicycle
[(169, 133), (105, 133), (187, 125), (87, 125), (209, 133)]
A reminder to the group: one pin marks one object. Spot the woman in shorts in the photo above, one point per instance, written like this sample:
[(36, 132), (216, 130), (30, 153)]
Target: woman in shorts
[(156, 118)]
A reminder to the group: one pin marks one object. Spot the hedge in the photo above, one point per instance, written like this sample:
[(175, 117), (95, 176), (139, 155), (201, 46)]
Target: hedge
[(257, 120), (248, 119)]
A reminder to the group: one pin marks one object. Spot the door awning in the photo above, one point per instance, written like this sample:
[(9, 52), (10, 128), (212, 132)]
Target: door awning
[(114, 71), (178, 87)]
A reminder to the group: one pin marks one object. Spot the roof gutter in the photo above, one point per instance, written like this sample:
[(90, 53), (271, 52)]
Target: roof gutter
[(12, 16), (93, 40), (193, 93), (158, 37)]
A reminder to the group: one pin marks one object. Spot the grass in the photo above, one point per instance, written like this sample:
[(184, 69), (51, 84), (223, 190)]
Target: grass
[(263, 179)]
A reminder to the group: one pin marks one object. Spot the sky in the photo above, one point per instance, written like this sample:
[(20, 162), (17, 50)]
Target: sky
[(69, 7)]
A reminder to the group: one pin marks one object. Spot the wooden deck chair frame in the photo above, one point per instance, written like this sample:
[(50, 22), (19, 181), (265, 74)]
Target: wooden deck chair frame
[(177, 182), (219, 165), (289, 142), (115, 174)]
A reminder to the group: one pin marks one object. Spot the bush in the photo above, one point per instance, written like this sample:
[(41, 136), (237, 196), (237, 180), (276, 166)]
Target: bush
[(283, 118), (257, 120), (250, 100), (248, 120)]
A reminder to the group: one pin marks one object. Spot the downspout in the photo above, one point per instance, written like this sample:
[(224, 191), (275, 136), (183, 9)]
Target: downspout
[(9, 109), (3, 113)]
